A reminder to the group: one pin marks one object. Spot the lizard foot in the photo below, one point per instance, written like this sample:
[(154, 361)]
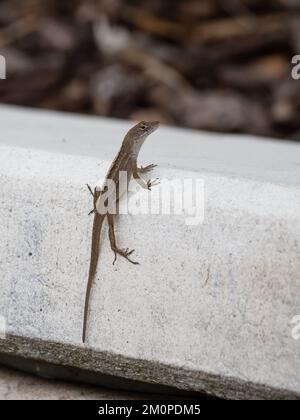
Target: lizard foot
[(124, 253), (95, 195), (151, 184), (146, 169)]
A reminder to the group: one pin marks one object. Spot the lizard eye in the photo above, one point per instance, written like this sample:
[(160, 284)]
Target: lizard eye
[(143, 126)]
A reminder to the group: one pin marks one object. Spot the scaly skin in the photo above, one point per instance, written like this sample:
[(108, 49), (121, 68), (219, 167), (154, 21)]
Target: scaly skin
[(126, 160)]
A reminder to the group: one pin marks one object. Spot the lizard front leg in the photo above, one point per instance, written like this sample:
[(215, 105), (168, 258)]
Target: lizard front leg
[(148, 168), (117, 251), (146, 185)]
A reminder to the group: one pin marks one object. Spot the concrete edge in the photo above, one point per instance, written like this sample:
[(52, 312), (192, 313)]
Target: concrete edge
[(54, 372), (141, 370)]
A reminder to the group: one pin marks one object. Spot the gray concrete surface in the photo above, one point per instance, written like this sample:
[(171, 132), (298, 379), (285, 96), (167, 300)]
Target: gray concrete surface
[(211, 306)]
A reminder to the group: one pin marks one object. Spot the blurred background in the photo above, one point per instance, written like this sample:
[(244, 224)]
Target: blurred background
[(206, 64)]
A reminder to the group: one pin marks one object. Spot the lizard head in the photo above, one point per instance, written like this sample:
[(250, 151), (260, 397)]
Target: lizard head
[(144, 128), (136, 136)]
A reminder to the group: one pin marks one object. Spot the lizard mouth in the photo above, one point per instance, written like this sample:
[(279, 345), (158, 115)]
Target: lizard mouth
[(154, 125)]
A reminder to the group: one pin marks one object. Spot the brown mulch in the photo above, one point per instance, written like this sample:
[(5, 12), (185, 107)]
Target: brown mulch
[(192, 63)]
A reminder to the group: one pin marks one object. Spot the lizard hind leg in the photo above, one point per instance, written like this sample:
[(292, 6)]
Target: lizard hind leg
[(96, 194), (117, 251)]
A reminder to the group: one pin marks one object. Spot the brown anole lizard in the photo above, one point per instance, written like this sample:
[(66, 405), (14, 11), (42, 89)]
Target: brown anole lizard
[(125, 161)]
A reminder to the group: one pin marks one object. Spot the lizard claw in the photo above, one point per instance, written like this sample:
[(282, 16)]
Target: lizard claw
[(90, 189), (124, 253), (94, 193), (151, 184)]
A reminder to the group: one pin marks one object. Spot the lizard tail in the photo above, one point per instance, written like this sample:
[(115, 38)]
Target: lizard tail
[(97, 226)]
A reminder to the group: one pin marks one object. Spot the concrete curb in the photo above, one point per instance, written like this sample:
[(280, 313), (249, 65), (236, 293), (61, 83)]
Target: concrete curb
[(211, 308)]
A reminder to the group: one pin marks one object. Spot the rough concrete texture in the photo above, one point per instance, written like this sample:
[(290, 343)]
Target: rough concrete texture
[(22, 386), (211, 306)]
